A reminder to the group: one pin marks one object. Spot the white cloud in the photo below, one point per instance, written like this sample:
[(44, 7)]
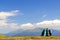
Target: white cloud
[(52, 24), (14, 26), (44, 16), (27, 26), (3, 22), (15, 11), (4, 15)]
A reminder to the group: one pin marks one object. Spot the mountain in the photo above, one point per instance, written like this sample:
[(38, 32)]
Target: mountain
[(55, 32), (32, 32)]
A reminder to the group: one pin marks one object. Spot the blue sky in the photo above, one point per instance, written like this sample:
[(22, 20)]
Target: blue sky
[(33, 10), (25, 12)]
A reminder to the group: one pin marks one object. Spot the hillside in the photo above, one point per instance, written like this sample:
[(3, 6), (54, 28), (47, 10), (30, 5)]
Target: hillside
[(31, 38)]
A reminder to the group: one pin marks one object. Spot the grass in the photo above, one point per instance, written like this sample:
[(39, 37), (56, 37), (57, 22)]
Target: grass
[(31, 38)]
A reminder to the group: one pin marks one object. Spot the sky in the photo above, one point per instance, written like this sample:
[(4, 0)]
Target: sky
[(29, 14)]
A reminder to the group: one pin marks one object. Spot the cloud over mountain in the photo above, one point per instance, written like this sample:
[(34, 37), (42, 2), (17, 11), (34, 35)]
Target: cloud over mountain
[(52, 24), (8, 27)]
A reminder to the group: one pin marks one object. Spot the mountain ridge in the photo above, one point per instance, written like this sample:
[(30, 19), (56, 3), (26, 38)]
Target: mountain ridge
[(33, 32)]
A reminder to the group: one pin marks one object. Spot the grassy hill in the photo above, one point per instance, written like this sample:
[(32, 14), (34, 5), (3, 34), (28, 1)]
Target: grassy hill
[(1, 35), (31, 38)]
